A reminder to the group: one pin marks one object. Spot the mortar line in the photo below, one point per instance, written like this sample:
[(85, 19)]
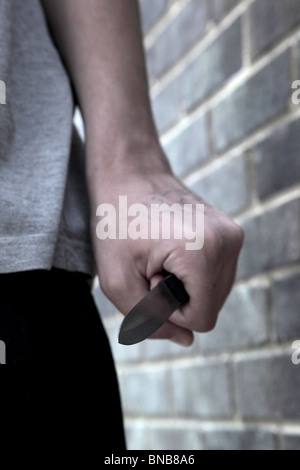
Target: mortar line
[(265, 351), (203, 42), (249, 142), (203, 423), (292, 38)]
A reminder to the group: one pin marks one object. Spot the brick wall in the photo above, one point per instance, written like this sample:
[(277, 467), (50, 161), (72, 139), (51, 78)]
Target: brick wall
[(221, 73)]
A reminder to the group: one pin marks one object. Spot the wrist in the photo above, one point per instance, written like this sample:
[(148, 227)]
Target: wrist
[(138, 157)]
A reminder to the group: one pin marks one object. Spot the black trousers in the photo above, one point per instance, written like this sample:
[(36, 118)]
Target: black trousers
[(64, 389)]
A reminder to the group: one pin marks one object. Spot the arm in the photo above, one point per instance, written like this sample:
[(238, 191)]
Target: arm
[(101, 44)]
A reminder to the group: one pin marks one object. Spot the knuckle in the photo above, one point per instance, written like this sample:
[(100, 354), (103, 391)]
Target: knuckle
[(204, 321), (206, 325), (233, 236), (238, 234)]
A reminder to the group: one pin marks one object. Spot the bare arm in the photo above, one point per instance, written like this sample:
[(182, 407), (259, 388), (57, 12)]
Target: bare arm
[(101, 44)]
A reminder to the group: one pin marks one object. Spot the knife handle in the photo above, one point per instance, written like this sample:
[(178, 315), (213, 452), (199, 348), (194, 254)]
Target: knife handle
[(176, 287)]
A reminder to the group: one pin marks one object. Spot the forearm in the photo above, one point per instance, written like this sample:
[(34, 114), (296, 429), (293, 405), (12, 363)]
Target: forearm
[(100, 42)]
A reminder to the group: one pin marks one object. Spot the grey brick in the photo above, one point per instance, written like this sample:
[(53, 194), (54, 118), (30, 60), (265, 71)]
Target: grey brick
[(165, 107), (277, 161), (286, 307), (212, 67), (175, 439), (243, 321), (141, 436), (6, 15), (252, 104), (202, 390), (271, 239), (270, 20), (226, 186), (299, 60), (145, 392), (190, 148), (155, 349), (183, 32), (222, 7), (268, 388), (137, 437), (253, 439), (291, 442), (150, 12)]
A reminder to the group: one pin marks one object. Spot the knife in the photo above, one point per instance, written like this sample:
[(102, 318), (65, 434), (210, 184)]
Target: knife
[(150, 313)]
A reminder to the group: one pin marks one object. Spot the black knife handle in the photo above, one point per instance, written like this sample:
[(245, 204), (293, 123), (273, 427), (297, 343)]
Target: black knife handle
[(176, 287)]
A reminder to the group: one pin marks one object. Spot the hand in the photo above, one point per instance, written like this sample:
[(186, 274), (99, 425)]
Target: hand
[(107, 69), (128, 267)]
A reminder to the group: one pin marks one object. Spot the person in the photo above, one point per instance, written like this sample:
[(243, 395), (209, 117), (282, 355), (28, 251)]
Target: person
[(55, 53)]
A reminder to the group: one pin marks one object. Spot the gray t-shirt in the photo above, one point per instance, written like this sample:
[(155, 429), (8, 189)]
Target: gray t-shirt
[(44, 213)]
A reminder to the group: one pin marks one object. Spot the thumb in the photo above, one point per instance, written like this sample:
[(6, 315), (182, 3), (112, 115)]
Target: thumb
[(155, 280)]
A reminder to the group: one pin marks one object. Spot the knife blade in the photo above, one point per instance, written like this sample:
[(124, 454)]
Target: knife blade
[(150, 313)]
